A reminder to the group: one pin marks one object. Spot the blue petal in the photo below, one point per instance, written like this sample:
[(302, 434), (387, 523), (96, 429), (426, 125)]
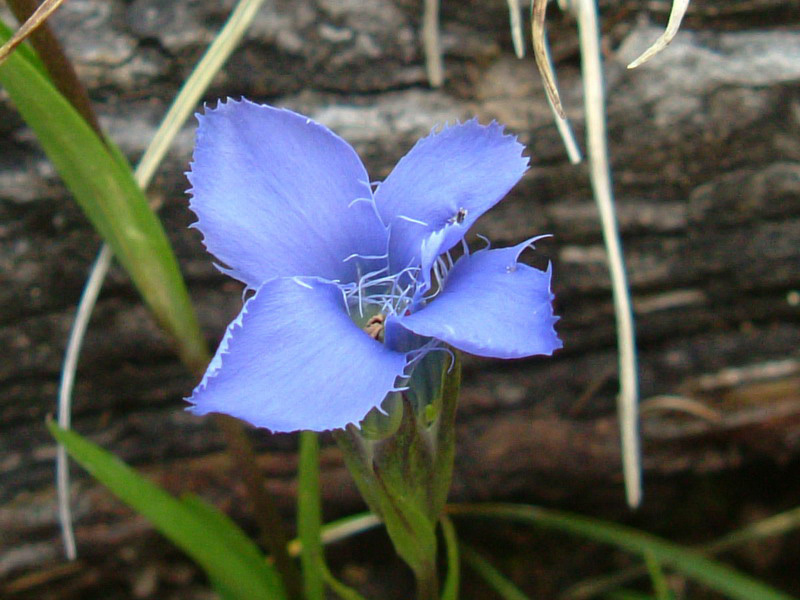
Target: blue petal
[(491, 305), (274, 193), (438, 190), (294, 360)]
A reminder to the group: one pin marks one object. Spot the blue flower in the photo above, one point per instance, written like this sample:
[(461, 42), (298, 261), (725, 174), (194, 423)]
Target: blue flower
[(353, 282)]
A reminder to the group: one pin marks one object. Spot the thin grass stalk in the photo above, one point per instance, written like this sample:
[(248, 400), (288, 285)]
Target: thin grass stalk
[(432, 44), (65, 387), (515, 22), (685, 560), (339, 530), (771, 526), (453, 578), (600, 172), (538, 13), (562, 124), (493, 578), (28, 26)]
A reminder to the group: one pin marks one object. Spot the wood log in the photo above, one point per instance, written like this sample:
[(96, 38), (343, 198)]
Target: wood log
[(705, 150)]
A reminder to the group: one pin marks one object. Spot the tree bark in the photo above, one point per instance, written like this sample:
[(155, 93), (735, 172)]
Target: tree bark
[(705, 149)]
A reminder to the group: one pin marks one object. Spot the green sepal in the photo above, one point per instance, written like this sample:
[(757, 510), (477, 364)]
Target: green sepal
[(384, 421), (405, 477)]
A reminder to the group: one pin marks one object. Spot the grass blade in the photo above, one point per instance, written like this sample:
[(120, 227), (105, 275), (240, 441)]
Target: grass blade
[(25, 51), (684, 560), (450, 591), (46, 8), (659, 581), (771, 526), (231, 560), (494, 578)]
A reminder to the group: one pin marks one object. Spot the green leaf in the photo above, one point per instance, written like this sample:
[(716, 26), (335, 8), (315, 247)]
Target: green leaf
[(337, 587), (28, 53), (222, 592), (233, 563), (690, 563), (412, 533), (219, 526), (450, 591), (660, 585), (103, 185), (774, 525), (309, 517), (494, 578)]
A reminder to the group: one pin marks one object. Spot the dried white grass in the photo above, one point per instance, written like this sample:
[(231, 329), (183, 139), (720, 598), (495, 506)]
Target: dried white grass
[(600, 172), (676, 15), (562, 124), (39, 16), (517, 34), (431, 43)]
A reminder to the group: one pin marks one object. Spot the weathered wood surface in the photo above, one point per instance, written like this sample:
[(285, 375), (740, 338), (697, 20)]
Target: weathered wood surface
[(705, 146)]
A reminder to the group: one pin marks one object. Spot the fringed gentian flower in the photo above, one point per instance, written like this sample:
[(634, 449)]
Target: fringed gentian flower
[(353, 282)]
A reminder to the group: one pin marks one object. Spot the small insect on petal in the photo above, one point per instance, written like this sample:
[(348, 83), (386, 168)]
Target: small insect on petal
[(458, 217)]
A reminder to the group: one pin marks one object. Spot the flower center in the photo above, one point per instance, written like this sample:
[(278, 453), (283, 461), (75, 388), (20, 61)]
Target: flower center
[(378, 295), (374, 327)]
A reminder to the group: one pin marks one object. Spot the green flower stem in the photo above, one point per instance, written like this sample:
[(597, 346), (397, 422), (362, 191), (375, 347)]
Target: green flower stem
[(309, 517), (427, 581), (451, 584), (270, 523), (337, 587), (444, 430)]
